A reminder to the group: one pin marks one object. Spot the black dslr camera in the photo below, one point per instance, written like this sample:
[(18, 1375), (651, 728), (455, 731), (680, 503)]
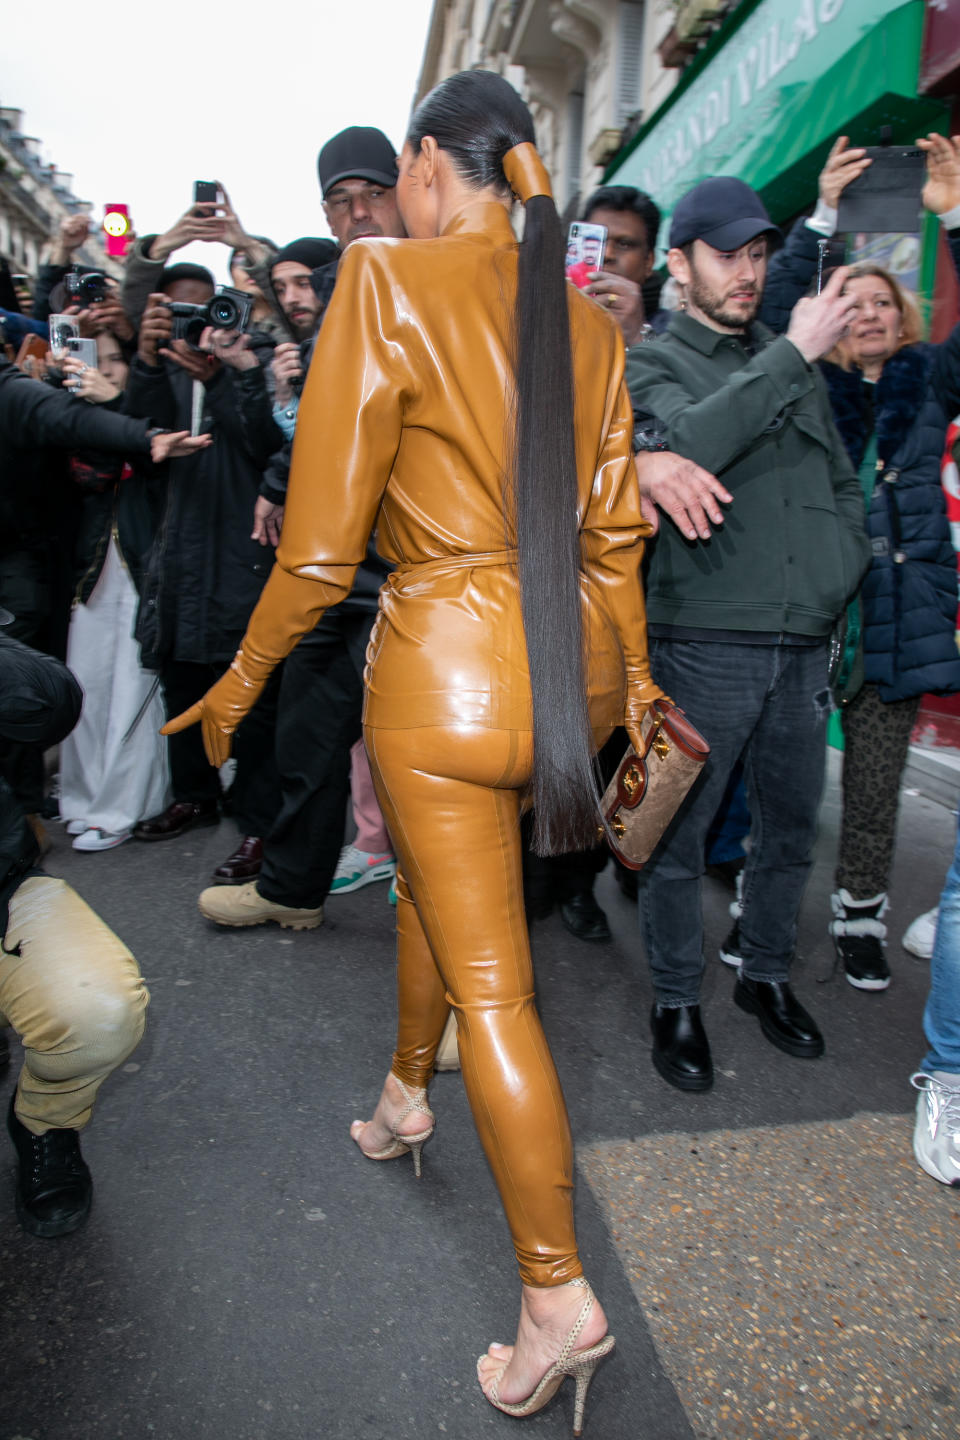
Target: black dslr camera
[(86, 289), (228, 310)]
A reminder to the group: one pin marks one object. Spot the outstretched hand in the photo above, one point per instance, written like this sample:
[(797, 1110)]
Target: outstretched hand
[(219, 712), (942, 190), (174, 444)]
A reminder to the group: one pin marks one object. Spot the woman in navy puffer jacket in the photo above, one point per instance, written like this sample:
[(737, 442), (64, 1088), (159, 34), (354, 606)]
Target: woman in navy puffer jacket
[(892, 400)]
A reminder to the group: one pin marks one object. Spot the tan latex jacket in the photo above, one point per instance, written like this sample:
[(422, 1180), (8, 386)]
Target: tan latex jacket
[(404, 427)]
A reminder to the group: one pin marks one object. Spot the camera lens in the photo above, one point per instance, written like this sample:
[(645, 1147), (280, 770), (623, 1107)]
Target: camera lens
[(224, 313)]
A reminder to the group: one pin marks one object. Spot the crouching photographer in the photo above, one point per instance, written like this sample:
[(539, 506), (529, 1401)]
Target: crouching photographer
[(205, 573), (68, 986)]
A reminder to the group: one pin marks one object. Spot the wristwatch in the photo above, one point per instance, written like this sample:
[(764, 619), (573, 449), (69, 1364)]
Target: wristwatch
[(648, 434)]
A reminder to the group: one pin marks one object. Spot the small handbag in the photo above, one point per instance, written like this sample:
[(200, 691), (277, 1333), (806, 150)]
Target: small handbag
[(673, 755)]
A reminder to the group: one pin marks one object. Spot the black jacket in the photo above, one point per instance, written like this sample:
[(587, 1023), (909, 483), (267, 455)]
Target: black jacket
[(205, 574), (117, 498), (39, 704), (34, 417)]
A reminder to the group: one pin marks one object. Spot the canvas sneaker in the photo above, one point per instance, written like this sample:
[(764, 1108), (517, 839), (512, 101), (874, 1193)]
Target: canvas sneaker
[(919, 936), (357, 868), (936, 1134), (96, 839)]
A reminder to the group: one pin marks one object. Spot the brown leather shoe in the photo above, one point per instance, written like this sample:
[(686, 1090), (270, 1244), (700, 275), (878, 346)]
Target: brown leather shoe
[(179, 817), (243, 865)]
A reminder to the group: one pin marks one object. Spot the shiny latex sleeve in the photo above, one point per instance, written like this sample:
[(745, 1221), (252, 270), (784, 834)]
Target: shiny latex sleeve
[(348, 433), (612, 543)]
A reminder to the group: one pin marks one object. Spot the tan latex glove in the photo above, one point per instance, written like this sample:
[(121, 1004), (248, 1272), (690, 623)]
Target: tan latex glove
[(641, 695), (220, 711)]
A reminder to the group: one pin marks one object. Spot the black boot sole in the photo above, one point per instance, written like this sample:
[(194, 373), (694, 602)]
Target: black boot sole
[(680, 1079), (50, 1229), (800, 1049)]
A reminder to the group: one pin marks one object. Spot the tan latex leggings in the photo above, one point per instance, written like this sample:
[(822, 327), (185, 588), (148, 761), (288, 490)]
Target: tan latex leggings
[(451, 801), (75, 996)]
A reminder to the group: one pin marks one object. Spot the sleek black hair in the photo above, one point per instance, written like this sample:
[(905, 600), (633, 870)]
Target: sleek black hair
[(626, 197), (476, 117), (184, 271)]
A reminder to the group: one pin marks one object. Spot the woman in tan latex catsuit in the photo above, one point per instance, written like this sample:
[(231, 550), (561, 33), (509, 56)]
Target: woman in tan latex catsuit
[(406, 424)]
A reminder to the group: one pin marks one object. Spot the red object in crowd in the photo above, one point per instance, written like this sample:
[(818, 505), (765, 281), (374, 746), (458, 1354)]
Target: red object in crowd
[(117, 229)]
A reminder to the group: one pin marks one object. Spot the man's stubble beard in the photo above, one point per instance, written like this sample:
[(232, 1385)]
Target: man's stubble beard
[(709, 304)]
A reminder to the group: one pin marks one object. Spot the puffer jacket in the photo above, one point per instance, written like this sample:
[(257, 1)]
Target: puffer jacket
[(909, 593)]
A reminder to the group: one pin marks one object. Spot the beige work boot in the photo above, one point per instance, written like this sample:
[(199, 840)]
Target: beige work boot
[(244, 905)]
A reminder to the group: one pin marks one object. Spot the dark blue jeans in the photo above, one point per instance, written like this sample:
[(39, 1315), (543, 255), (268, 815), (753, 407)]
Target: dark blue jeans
[(768, 704)]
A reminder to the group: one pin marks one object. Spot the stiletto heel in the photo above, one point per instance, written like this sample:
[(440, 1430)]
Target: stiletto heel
[(580, 1365), (401, 1144)]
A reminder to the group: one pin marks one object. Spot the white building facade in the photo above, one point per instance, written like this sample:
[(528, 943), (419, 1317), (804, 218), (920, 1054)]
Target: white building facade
[(34, 197), (590, 70)]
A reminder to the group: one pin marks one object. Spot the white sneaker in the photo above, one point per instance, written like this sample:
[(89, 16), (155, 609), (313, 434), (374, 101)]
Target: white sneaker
[(94, 839), (936, 1134), (921, 934), (357, 868), (77, 827)]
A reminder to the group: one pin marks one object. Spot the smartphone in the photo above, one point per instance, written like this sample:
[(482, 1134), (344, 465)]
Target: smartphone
[(886, 197), (62, 328), (586, 245), (32, 347), (205, 192), (83, 350)]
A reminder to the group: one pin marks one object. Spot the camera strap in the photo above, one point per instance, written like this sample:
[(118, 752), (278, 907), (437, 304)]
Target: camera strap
[(196, 406)]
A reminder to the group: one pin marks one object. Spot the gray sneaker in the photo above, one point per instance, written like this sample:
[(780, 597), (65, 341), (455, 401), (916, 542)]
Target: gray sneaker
[(936, 1134)]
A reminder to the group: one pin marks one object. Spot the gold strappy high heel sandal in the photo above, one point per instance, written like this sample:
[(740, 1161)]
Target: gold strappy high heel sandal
[(579, 1364), (416, 1100)]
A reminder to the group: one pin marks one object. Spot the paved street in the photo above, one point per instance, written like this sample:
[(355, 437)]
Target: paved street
[(771, 1259)]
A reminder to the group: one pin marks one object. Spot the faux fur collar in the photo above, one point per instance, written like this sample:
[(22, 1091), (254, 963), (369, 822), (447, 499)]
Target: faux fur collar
[(898, 400)]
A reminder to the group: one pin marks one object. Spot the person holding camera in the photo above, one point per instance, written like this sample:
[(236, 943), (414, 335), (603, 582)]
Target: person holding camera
[(205, 572), (215, 222)]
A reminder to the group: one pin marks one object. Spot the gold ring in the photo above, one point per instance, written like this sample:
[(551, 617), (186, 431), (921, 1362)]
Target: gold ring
[(611, 301)]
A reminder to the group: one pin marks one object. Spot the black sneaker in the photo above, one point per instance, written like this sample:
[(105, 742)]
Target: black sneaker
[(54, 1188), (730, 949)]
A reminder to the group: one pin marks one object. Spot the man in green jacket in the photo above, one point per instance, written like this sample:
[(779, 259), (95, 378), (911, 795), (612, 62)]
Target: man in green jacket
[(739, 622)]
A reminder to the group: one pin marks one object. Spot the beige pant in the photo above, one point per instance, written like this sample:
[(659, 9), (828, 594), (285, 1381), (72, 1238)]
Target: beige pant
[(74, 994)]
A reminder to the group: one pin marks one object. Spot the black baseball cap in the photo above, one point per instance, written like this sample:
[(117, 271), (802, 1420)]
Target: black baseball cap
[(722, 211), (360, 152)]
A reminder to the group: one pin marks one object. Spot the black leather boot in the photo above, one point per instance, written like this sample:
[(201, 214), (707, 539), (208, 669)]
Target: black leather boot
[(583, 917), (783, 1019), (681, 1051), (54, 1188)]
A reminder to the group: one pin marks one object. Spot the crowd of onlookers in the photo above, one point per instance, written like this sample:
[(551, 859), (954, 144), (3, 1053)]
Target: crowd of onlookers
[(143, 495)]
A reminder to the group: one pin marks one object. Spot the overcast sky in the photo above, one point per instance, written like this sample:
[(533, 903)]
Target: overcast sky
[(138, 102)]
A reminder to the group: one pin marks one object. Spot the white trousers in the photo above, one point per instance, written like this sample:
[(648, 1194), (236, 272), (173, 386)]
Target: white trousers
[(107, 779)]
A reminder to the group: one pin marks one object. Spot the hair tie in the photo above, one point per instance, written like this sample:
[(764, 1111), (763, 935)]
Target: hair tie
[(526, 173)]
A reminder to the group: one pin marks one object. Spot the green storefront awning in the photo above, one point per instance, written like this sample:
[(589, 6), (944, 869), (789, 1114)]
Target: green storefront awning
[(767, 102)]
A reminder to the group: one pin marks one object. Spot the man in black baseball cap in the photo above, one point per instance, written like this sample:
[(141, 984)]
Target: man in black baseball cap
[(739, 617), (358, 177), (718, 251)]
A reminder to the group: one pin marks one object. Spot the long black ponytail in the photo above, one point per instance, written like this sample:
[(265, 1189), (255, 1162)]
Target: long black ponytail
[(477, 118)]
